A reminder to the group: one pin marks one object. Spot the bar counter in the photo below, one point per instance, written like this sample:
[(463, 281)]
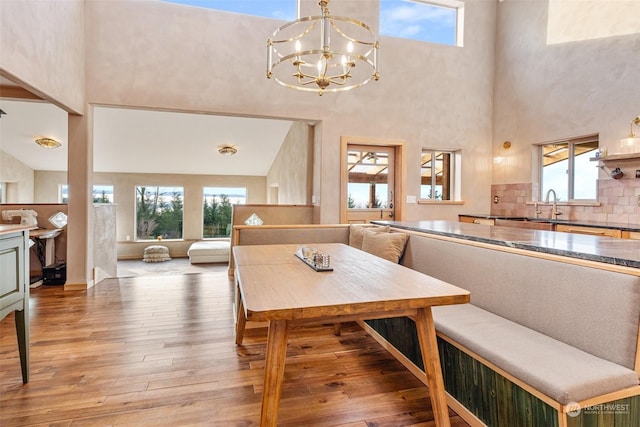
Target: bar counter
[(620, 252)]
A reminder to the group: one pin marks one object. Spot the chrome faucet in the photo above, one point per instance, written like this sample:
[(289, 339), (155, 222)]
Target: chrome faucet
[(554, 211)]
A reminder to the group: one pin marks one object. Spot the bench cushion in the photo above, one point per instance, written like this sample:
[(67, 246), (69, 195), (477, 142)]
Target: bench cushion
[(558, 370), (594, 310), (209, 251)]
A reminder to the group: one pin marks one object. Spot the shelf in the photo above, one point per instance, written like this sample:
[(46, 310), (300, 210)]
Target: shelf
[(617, 157)]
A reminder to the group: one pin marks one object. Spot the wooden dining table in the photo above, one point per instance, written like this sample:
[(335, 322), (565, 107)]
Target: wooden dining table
[(274, 285)]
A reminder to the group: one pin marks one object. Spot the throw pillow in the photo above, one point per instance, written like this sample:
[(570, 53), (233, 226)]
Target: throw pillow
[(356, 230), (389, 246)]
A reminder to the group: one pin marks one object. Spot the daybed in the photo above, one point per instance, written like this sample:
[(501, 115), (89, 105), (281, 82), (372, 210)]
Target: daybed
[(543, 342), (209, 251)]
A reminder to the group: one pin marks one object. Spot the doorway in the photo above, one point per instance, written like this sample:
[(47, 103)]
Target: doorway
[(370, 180)]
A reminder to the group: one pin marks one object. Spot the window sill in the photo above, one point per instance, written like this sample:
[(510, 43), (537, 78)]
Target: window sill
[(440, 202)]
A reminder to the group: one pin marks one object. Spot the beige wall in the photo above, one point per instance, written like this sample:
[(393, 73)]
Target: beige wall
[(42, 45), (18, 177), (290, 176), (447, 102), (545, 92), (47, 186)]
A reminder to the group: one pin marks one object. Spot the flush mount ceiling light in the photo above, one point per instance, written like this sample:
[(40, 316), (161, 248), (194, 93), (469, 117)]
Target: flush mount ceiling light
[(48, 143), (323, 53), (227, 150)]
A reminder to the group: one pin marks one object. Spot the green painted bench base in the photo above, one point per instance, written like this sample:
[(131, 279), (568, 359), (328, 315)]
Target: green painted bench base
[(492, 398)]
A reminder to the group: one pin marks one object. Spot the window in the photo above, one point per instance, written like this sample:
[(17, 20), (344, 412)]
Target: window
[(101, 193), (3, 192), (437, 175), (159, 212), (286, 10), (436, 21), (216, 207), (370, 177), (565, 167)]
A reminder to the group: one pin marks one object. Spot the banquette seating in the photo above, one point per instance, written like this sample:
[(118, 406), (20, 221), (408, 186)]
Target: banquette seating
[(545, 341)]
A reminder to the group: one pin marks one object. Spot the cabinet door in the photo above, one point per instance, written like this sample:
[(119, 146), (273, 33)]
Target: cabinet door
[(476, 220), (12, 273), (593, 231)]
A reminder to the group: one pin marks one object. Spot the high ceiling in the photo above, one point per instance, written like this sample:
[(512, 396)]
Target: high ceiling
[(142, 141)]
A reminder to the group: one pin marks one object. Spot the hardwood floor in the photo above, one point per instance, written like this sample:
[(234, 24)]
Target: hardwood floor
[(159, 351)]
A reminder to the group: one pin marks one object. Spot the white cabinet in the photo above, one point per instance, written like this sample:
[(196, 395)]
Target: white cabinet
[(14, 289)]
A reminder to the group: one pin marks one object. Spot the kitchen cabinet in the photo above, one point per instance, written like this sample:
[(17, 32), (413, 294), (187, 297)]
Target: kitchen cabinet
[(14, 287), (476, 220), (593, 231)]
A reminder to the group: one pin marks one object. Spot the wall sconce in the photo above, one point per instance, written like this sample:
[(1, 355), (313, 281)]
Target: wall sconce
[(506, 145), (631, 140)]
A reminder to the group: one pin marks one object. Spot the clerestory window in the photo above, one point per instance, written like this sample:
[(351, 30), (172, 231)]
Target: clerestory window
[(435, 21)]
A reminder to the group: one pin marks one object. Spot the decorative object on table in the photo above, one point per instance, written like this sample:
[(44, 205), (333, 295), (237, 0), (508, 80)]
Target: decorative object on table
[(323, 53), (27, 216), (315, 259), (156, 253)]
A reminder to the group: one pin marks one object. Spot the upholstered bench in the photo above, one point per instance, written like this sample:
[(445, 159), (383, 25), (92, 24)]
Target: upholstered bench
[(209, 251), (156, 253)]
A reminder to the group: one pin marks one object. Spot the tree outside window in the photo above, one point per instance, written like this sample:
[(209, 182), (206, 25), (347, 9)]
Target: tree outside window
[(159, 212), (217, 207)]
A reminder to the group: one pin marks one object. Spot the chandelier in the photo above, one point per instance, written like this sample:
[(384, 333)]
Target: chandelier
[(323, 53)]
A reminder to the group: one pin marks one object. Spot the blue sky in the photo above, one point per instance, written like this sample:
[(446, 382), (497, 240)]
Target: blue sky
[(399, 18)]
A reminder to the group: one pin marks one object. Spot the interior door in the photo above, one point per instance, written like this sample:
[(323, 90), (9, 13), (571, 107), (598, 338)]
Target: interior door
[(370, 183)]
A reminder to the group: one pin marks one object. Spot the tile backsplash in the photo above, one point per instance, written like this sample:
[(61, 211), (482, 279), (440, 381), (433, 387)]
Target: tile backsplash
[(618, 202)]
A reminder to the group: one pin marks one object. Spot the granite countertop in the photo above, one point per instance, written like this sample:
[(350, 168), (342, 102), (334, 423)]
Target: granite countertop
[(622, 252), (581, 223)]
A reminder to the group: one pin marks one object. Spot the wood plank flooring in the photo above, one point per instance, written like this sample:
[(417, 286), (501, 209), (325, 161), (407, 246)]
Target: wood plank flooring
[(159, 351)]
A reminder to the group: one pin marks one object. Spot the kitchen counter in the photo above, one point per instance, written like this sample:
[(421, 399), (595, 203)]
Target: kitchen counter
[(581, 223), (13, 228), (620, 252)]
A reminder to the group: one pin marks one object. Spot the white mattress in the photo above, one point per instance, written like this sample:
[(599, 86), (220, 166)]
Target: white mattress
[(209, 251)]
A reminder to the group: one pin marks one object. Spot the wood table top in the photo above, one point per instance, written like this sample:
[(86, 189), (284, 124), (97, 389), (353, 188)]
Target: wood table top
[(275, 284)]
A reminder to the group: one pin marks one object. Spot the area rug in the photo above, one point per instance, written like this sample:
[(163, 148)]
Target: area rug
[(135, 268)]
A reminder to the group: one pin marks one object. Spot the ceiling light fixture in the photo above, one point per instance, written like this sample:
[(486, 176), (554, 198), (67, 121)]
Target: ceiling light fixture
[(48, 143), (227, 150), (323, 53)]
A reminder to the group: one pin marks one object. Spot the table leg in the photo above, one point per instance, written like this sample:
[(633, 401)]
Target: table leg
[(22, 330), (274, 372), (241, 319), (430, 356)]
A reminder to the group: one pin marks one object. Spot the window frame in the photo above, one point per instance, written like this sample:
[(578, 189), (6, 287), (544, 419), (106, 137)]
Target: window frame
[(455, 176), (538, 168)]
